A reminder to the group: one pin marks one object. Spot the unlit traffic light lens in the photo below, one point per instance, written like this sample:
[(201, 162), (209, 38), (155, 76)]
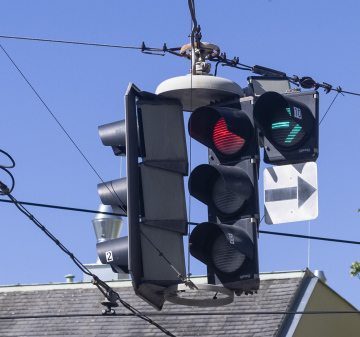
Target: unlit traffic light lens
[(226, 142), (224, 200), (225, 258), (285, 131)]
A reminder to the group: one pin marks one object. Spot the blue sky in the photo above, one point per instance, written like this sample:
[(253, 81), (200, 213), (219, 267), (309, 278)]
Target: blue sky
[(84, 87)]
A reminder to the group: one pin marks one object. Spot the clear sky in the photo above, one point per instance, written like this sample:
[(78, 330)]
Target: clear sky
[(84, 87)]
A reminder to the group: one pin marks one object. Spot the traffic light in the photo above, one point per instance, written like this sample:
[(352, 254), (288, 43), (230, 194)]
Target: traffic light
[(289, 126), (115, 253), (152, 195), (230, 252), (227, 243)]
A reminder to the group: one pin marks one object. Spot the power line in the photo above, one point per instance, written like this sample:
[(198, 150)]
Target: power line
[(77, 43), (302, 236), (48, 109), (311, 237), (329, 107), (222, 59), (58, 122), (191, 4), (107, 291), (61, 207), (190, 223), (212, 313)]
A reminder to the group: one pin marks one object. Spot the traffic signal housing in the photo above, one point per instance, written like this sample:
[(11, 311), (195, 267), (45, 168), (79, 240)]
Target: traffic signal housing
[(230, 252), (152, 195), (227, 243), (289, 126)]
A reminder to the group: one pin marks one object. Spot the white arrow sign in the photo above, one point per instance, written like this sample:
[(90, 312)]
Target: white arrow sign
[(290, 193)]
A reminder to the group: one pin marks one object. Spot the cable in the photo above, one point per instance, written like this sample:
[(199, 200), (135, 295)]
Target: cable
[(48, 109), (304, 81), (191, 4), (189, 223), (302, 236), (61, 207), (329, 107), (212, 313), (12, 161), (239, 313), (5, 190), (5, 168), (102, 286), (311, 237), (143, 48), (12, 181), (79, 43)]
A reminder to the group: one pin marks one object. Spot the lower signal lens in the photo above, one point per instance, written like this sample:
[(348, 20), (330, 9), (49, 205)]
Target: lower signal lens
[(226, 142), (225, 258)]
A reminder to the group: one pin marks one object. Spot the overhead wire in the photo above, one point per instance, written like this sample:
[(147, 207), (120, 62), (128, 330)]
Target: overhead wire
[(5, 168), (182, 313), (110, 292), (22, 209), (113, 192), (190, 223), (102, 286), (302, 236), (62, 207), (234, 63), (329, 107), (310, 237), (58, 122), (78, 43), (192, 12)]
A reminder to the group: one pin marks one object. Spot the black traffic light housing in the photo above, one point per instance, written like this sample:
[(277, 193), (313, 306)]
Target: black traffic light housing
[(152, 196), (227, 244), (230, 251), (229, 132), (114, 193), (289, 126)]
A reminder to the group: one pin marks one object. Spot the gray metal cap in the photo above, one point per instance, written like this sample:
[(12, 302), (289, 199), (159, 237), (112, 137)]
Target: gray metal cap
[(320, 275), (107, 226)]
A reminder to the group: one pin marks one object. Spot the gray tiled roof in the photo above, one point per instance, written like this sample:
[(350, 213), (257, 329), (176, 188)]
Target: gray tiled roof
[(274, 295)]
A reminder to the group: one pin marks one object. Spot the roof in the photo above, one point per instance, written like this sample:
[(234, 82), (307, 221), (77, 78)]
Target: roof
[(277, 291)]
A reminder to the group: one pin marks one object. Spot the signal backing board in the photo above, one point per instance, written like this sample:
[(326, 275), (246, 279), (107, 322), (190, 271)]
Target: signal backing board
[(291, 193)]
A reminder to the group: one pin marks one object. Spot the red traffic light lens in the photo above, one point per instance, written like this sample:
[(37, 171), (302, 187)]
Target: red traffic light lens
[(226, 142)]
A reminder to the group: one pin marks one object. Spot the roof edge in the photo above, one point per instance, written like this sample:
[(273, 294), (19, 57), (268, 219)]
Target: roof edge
[(127, 283), (277, 275), (298, 303)]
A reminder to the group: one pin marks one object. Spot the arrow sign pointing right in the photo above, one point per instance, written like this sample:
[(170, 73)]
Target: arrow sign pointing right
[(290, 193), (303, 191)]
